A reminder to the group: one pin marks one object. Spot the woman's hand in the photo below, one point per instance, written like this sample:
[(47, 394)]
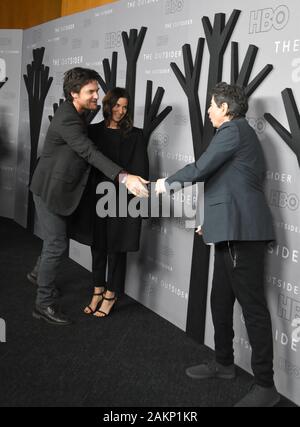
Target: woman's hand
[(199, 230)]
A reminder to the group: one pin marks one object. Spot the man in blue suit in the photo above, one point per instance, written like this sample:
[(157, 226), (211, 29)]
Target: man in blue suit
[(238, 221)]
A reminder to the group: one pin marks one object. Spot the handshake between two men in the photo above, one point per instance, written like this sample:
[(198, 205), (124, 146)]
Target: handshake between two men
[(137, 186)]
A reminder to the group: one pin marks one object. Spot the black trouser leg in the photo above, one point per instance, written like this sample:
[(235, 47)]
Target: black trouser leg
[(99, 261), (222, 302), (54, 229), (116, 269), (248, 287), (116, 272)]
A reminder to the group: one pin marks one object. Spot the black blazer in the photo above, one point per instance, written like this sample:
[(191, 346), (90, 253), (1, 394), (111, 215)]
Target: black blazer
[(64, 166), (233, 170)]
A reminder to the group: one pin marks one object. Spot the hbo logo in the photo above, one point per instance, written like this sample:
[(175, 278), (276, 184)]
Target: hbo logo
[(263, 20), (284, 200), (259, 125), (2, 70), (113, 40), (174, 6), (160, 140)]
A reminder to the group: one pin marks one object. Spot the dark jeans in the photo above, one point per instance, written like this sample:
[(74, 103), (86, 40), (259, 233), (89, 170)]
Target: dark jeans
[(54, 230), (239, 274), (116, 269)]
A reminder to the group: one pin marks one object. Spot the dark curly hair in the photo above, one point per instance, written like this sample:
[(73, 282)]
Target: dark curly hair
[(76, 78), (110, 101), (234, 96)]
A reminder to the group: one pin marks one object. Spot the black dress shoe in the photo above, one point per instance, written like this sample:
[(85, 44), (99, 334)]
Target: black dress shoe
[(51, 315)]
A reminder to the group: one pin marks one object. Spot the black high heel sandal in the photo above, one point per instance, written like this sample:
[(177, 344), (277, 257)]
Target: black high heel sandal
[(100, 302), (103, 312)]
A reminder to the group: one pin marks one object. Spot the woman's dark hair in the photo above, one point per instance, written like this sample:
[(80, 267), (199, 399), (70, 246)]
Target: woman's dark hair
[(76, 78), (110, 101), (234, 96)]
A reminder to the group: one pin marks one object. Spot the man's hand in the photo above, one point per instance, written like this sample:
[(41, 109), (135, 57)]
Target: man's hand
[(136, 185), (160, 186)]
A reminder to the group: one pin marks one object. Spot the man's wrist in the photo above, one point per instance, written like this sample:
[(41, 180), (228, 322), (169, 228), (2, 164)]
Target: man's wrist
[(122, 177)]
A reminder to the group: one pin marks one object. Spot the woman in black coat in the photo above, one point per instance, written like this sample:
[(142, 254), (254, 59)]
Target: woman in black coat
[(111, 238)]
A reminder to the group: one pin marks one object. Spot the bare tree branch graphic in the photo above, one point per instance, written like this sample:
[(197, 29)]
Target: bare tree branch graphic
[(55, 108), (242, 77), (151, 119), (3, 83), (37, 83), (110, 73), (4, 149), (291, 138), (190, 85), (217, 37), (132, 45), (89, 115)]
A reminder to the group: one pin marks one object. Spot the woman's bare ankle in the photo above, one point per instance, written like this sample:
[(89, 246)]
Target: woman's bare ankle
[(99, 289), (110, 294)]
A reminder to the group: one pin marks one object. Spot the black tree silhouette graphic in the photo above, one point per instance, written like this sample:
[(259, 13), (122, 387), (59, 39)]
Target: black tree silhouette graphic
[(3, 131), (132, 45), (37, 83), (218, 38), (151, 119), (190, 84), (106, 84), (3, 83), (110, 73), (89, 114), (55, 108), (291, 138)]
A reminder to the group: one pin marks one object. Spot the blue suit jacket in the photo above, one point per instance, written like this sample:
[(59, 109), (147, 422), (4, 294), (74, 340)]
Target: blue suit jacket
[(233, 169)]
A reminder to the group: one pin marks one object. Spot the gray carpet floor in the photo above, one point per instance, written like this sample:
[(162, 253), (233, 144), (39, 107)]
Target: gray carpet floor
[(133, 358)]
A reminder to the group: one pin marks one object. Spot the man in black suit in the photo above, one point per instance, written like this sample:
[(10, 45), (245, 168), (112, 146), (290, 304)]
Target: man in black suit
[(238, 221), (60, 178)]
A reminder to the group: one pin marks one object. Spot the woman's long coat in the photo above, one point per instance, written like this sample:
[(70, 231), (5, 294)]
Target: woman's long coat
[(113, 234)]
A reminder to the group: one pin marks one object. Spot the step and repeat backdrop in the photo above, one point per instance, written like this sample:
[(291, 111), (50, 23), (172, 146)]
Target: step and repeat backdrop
[(10, 65), (184, 47)]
